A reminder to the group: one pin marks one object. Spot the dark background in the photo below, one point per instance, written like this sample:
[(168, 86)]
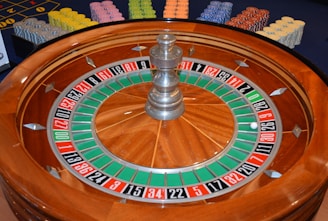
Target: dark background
[(313, 48)]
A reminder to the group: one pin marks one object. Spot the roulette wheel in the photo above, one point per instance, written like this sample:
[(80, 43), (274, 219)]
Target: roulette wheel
[(164, 119)]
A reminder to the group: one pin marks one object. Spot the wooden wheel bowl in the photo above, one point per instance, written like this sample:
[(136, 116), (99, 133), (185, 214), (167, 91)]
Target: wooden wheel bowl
[(33, 193)]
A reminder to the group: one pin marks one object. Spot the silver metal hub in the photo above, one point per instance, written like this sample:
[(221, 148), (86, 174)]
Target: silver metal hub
[(165, 100)]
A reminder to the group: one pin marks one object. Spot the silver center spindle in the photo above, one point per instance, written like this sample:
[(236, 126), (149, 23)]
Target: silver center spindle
[(165, 100)]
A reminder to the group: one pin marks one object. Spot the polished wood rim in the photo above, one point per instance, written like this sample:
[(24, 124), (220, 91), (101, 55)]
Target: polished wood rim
[(301, 160)]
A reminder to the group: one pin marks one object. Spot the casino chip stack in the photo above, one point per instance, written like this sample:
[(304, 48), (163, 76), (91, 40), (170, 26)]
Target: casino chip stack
[(105, 11), (69, 20), (141, 9), (286, 30), (217, 12), (251, 19), (36, 31), (176, 9)]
